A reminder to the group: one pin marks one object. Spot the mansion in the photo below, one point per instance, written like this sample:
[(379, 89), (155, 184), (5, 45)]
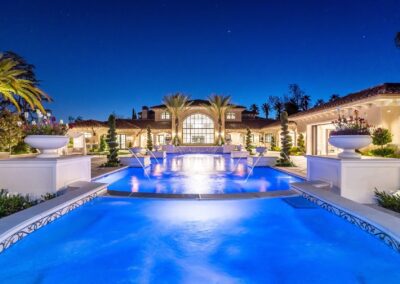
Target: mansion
[(379, 105)]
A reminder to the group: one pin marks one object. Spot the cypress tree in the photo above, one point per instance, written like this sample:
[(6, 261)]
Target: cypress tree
[(301, 144), (103, 144), (112, 157), (286, 140), (249, 146), (149, 139), (134, 115), (273, 143)]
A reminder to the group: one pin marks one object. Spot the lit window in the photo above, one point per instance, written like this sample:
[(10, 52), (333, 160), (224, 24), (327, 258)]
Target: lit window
[(231, 116), (198, 129), (87, 134), (165, 115), (268, 137), (161, 139), (121, 140)]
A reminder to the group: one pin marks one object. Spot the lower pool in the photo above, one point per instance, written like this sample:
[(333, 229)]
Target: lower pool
[(199, 174), (129, 240)]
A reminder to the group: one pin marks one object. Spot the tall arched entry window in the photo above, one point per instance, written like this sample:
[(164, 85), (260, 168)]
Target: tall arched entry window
[(198, 129)]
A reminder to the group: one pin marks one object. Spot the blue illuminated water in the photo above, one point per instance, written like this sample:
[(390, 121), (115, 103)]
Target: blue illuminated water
[(199, 174), (126, 240)]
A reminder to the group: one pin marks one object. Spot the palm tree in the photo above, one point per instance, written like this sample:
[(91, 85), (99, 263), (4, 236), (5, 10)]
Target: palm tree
[(305, 102), (176, 105), (254, 108), (15, 85), (219, 105), (266, 109), (397, 40), (334, 97), (319, 102)]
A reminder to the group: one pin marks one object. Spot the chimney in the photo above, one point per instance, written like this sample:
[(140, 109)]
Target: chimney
[(145, 112)]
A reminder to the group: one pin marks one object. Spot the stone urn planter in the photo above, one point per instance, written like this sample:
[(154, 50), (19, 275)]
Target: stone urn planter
[(349, 143), (47, 144), (261, 150)]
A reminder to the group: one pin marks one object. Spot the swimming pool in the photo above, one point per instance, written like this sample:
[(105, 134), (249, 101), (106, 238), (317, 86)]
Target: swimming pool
[(199, 174), (120, 240)]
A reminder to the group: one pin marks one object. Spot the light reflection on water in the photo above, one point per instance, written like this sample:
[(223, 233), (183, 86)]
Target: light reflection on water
[(199, 174)]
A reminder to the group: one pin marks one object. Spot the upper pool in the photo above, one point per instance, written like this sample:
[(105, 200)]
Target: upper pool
[(199, 174)]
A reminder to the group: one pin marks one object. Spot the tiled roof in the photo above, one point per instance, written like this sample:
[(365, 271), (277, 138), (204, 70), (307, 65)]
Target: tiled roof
[(256, 123), (125, 124), (196, 102), (143, 123), (120, 123), (384, 89)]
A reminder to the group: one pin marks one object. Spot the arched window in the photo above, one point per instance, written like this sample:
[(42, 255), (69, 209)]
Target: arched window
[(198, 129)]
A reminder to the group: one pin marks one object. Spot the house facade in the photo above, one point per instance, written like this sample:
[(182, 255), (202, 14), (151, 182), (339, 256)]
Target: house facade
[(379, 105), (197, 127)]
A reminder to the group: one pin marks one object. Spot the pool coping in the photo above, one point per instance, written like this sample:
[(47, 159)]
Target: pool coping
[(222, 196), (15, 227), (383, 226)]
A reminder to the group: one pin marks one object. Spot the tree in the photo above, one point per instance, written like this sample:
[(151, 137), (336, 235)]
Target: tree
[(18, 86), (112, 157), (319, 102), (334, 97), (301, 143), (266, 109), (254, 108), (381, 137), (249, 146), (134, 115), (276, 104), (103, 144), (273, 143), (397, 40), (305, 102), (176, 105), (219, 105), (286, 141), (149, 139), (10, 130)]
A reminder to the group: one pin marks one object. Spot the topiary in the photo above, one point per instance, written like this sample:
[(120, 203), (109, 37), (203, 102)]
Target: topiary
[(112, 157)]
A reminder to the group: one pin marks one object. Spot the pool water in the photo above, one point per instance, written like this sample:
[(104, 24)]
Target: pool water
[(129, 240), (199, 174)]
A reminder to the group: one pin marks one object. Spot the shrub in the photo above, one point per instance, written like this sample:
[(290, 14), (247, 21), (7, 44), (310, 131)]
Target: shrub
[(21, 148), (296, 151), (12, 203), (46, 127), (381, 137), (383, 152), (10, 130), (301, 144), (389, 201)]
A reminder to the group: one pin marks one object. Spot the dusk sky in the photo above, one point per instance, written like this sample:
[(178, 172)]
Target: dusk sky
[(98, 57)]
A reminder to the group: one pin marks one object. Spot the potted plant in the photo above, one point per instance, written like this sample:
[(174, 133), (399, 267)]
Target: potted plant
[(47, 136), (350, 134)]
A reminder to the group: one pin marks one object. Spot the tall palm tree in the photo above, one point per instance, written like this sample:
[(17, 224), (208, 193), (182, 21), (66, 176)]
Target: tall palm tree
[(176, 104), (15, 85), (219, 105), (266, 109)]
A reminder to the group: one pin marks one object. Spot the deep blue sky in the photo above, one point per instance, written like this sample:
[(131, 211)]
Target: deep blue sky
[(96, 57)]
